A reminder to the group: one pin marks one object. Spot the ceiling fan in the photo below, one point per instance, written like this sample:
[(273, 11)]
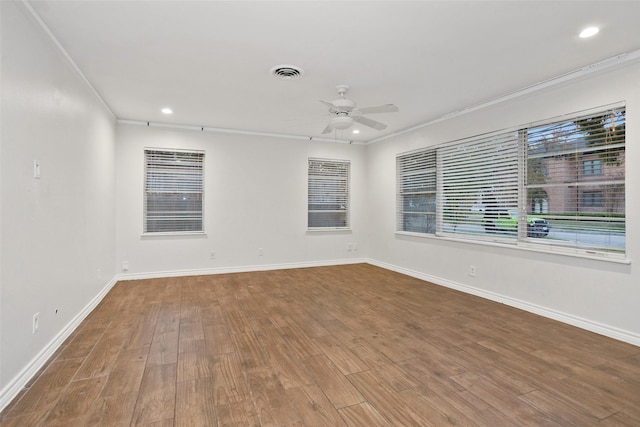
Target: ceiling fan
[(344, 113)]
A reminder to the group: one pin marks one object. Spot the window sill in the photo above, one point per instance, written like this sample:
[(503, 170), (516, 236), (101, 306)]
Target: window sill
[(328, 229), (599, 256), (176, 234)]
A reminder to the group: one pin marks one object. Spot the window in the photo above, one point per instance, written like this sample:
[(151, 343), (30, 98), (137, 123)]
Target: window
[(173, 191), (328, 202), (416, 191), (592, 167), (592, 199), (478, 185), (554, 185)]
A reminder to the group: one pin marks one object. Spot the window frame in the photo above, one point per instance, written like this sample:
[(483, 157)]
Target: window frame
[(521, 237), (332, 194), (188, 187)]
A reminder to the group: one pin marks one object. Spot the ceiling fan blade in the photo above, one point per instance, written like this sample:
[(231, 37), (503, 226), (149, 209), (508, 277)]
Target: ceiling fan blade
[(328, 104), (328, 129), (368, 122), (386, 108)]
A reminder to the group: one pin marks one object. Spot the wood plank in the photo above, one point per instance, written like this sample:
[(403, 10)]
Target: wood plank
[(156, 400), (250, 351), (164, 349), (362, 414), (238, 414), (269, 398), (193, 361), (387, 401), (195, 403), (101, 358), (341, 356), (75, 403), (127, 372), (314, 407), (143, 327), (114, 410), (47, 389), (229, 379), (335, 385), (218, 340), (290, 370)]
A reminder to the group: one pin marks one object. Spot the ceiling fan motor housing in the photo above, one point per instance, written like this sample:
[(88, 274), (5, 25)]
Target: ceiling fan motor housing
[(344, 104)]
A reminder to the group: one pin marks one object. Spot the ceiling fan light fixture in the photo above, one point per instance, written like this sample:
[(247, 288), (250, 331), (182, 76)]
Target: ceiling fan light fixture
[(341, 122)]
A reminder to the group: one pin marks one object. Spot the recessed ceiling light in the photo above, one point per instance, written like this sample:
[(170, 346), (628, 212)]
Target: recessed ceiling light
[(589, 32), (167, 110), (356, 131)]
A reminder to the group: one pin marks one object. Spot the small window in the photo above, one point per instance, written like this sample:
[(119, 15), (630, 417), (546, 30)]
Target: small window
[(173, 191), (592, 167), (328, 200), (592, 199)]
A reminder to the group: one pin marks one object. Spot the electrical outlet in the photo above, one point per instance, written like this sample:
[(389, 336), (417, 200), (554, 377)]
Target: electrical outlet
[(36, 322), (125, 266), (260, 252), (212, 255), (472, 270)]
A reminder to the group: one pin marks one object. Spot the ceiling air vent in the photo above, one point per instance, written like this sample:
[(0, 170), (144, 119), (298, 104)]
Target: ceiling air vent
[(287, 72)]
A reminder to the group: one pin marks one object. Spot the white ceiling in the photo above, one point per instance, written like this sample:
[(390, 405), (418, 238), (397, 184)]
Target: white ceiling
[(210, 60)]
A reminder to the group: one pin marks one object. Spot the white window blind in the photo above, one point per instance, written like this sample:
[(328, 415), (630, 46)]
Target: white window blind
[(416, 191), (328, 194), (576, 179), (478, 184), (173, 199)]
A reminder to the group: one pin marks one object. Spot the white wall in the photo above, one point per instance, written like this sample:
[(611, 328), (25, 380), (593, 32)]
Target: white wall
[(598, 295), (255, 197), (58, 232)]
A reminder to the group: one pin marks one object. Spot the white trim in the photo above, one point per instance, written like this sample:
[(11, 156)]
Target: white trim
[(579, 322), (11, 390), (238, 269), (195, 128)]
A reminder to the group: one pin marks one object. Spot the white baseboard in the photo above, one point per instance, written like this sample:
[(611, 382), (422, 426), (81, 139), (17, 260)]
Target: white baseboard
[(589, 325), (239, 269), (11, 390)]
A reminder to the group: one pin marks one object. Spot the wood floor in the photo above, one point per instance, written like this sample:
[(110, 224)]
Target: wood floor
[(329, 346)]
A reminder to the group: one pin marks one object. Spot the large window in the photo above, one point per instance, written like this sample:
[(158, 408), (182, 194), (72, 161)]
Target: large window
[(173, 191), (555, 185), (328, 202)]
